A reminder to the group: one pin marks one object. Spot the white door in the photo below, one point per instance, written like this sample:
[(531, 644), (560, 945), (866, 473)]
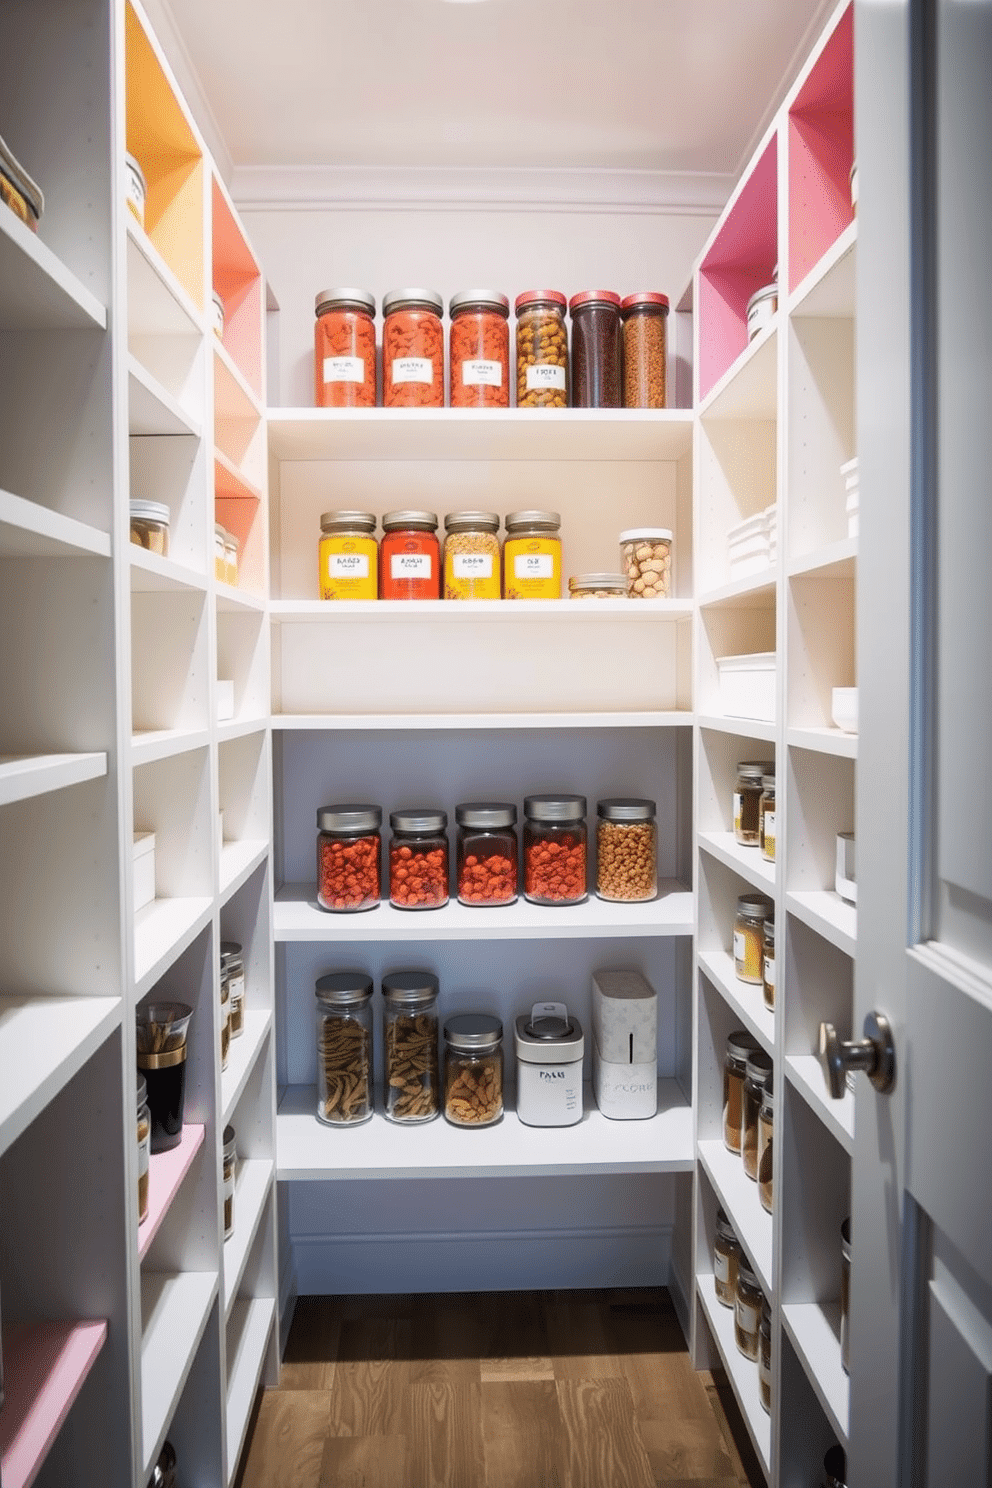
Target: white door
[(921, 1327)]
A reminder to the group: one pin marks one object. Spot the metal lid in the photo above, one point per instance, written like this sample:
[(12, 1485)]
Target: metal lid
[(229, 1140), (759, 1068), (349, 818), (547, 521), (742, 1044), (132, 161), (647, 534), (744, 1271), (625, 809), (755, 769), (361, 299), (332, 521), (768, 783), (473, 1031), (343, 987), (484, 299), (594, 297), (644, 299), (230, 950), (769, 932), (405, 299), (755, 906), (218, 298), (486, 814), (231, 540), (142, 1092), (539, 297), (724, 1228), (767, 292), (410, 986), (598, 581), (548, 1036), (768, 1099), (155, 511), (423, 519), (418, 819), (471, 521), (564, 808)]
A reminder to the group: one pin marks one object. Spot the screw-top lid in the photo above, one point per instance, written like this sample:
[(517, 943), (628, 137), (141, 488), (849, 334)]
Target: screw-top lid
[(768, 783), (152, 511), (755, 906), (473, 1031), (336, 521), (644, 299), (548, 1036), (756, 769), (486, 814), (345, 299), (594, 297), (230, 950), (563, 808), (418, 819), (769, 932), (229, 1141), (406, 299), (410, 986), (349, 818), (343, 987), (745, 1272), (741, 1044), (759, 1068), (545, 521), (422, 519), (530, 297), (647, 534), (766, 292), (132, 161), (471, 521), (482, 299), (626, 809), (142, 1091), (598, 581), (724, 1228)]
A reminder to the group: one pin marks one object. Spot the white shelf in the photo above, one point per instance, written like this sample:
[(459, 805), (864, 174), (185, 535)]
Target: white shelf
[(746, 999), (746, 728), (251, 1322), (231, 481), (479, 434), (25, 775), (806, 1074), (824, 741), (743, 1373), (238, 861), (44, 1042), (838, 560), (431, 612), (46, 1365), (747, 861), (28, 530), (307, 1149), (234, 399), (162, 931), (233, 600), (486, 722), (749, 388), (252, 1188), (739, 1197), (828, 914), (37, 291), (814, 1328), (152, 409), (241, 728), (166, 1172), (241, 1058), (160, 744), (298, 918), (157, 304), (174, 1311), (829, 289), (151, 573), (755, 592)]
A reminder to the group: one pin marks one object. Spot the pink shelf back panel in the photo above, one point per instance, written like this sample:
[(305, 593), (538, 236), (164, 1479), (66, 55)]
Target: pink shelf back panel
[(237, 279), (741, 260), (821, 152), (166, 1171), (45, 1365)]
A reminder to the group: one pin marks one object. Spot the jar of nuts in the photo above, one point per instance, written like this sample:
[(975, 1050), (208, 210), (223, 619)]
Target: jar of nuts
[(411, 1079), (473, 1069), (542, 349), (418, 859), (646, 559), (471, 556), (555, 849), (626, 850), (597, 586), (344, 1048)]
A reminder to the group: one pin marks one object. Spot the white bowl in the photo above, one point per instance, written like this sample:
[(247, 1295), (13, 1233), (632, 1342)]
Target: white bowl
[(844, 708)]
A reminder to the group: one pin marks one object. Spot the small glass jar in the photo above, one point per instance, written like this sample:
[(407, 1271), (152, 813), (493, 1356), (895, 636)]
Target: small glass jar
[(412, 349), (164, 1471), (765, 1357), (473, 1070), (471, 556), (766, 1124), (218, 314), (762, 308), (232, 548), (758, 1076), (418, 859), (752, 912), (411, 1078), (410, 556), (225, 1021), (486, 858), (626, 850), (845, 1296), (747, 1309), (542, 349), (740, 1046), (726, 1253), (344, 1048), (344, 349), (595, 349), (479, 349), (144, 1147), (646, 559), (150, 526), (136, 188), (767, 813), (220, 553), (555, 842), (230, 1161), (768, 964), (348, 556), (645, 349), (348, 857), (532, 556), (747, 802), (232, 971), (597, 586)]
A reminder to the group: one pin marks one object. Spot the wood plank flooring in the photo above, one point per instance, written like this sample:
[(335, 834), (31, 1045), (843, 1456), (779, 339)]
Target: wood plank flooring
[(520, 1390)]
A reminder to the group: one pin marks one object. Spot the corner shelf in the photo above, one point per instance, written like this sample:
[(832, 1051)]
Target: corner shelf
[(739, 1197), (804, 1071), (37, 291), (743, 1373), (151, 573), (152, 409), (749, 387), (747, 861), (166, 1171), (174, 1312), (718, 967), (149, 745), (251, 1193), (28, 530), (45, 1367), (814, 1329), (23, 776), (238, 861), (251, 1321), (826, 913), (829, 290), (44, 1041)]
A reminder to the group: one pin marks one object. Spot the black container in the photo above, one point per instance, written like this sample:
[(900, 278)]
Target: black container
[(596, 341), (162, 1048)]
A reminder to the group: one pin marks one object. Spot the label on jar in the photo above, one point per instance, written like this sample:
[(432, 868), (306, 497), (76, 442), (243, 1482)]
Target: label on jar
[(740, 945), (348, 566), (413, 369), (236, 985), (770, 825), (472, 565), (769, 971), (721, 1266), (482, 374), (737, 811), (410, 566), (747, 1318), (533, 566), (344, 369), (545, 375)]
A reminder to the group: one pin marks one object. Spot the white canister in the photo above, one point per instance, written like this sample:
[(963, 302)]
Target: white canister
[(549, 1047), (761, 309), (625, 1045), (137, 189)]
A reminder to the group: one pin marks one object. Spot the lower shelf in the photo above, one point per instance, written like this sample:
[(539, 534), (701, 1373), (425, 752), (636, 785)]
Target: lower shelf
[(174, 1312), (166, 1171), (743, 1373), (249, 1328), (252, 1187), (814, 1328), (739, 1197), (45, 1365)]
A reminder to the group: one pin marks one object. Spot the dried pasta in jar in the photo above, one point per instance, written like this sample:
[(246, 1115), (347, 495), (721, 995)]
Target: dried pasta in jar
[(344, 349), (412, 349)]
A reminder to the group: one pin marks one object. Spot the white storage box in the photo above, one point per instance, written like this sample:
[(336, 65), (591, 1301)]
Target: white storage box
[(624, 1045), (747, 686), (143, 866)]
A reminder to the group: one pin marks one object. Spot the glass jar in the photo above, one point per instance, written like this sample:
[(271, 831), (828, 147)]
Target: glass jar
[(348, 857), (555, 849), (542, 349), (411, 1078), (532, 556), (626, 850), (150, 526), (597, 586), (595, 349), (766, 1123), (232, 971), (747, 802), (161, 1029), (479, 349), (758, 1076), (740, 1046), (344, 1048), (230, 1159), (747, 1309), (768, 963), (418, 859), (348, 556), (136, 188), (344, 349), (726, 1253), (845, 1296), (220, 553), (752, 912), (144, 1141), (646, 559), (765, 1357), (767, 813), (471, 556), (473, 1069), (645, 349), (412, 349), (486, 859), (410, 557), (164, 1471), (225, 1021), (232, 548)]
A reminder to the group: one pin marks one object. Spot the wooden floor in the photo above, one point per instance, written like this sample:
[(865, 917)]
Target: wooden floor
[(496, 1390)]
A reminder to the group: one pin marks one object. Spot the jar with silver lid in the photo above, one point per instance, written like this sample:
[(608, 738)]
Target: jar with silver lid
[(747, 1309), (479, 349), (752, 912), (230, 1159), (409, 556), (344, 349), (555, 849), (758, 1076), (418, 858), (150, 526), (348, 857), (740, 1046), (747, 801), (626, 849), (473, 1069), (761, 309), (232, 970), (486, 867), (597, 586), (532, 555), (412, 349), (472, 556), (411, 1079), (726, 1253), (344, 1048), (348, 556)]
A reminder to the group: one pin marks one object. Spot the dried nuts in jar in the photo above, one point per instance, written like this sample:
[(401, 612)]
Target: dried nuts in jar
[(532, 556), (412, 349), (542, 349), (626, 850), (471, 556), (410, 556), (348, 857), (555, 849), (595, 349), (646, 559), (348, 555), (645, 349), (473, 1069), (411, 1078), (479, 343), (487, 852), (344, 349), (150, 526), (418, 859), (344, 1048), (597, 586)]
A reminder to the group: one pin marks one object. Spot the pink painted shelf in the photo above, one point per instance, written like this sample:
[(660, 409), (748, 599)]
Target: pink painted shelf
[(166, 1171), (821, 152), (45, 1365), (238, 280)]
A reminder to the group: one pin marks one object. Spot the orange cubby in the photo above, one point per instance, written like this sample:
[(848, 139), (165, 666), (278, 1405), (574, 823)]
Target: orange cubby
[(238, 280), (238, 507)]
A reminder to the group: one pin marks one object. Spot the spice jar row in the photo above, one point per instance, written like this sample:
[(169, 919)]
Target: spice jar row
[(738, 1287), (754, 944), (749, 1110), (618, 356), (226, 550), (489, 867), (754, 806)]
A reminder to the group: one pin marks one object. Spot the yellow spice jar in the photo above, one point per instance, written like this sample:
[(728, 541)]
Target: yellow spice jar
[(348, 556), (532, 556)]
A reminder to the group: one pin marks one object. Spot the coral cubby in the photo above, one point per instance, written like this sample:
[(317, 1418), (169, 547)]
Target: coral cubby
[(237, 279), (821, 152)]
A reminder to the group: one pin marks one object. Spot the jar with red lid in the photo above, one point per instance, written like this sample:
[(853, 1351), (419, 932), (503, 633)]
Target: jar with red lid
[(412, 349), (479, 349), (542, 349), (645, 349), (555, 849), (344, 349), (595, 349), (409, 556), (486, 866), (418, 859), (348, 857)]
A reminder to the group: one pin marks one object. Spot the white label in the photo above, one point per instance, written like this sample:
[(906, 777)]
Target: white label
[(413, 369), (472, 565), (740, 945), (236, 985), (747, 1318), (533, 566), (737, 810), (344, 369), (348, 566), (769, 971), (721, 1266), (482, 374), (545, 375), (770, 825), (410, 566)]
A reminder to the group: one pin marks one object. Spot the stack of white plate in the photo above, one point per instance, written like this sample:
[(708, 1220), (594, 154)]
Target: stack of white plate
[(851, 479)]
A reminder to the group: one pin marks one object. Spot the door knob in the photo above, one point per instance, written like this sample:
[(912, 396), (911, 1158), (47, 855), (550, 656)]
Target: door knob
[(875, 1054)]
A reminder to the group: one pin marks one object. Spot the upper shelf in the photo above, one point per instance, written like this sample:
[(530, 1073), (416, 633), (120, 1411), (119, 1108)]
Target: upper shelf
[(28, 530), (43, 1042), (452, 612), (37, 291)]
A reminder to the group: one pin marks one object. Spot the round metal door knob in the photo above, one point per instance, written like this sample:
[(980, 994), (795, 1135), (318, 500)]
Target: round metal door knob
[(875, 1054)]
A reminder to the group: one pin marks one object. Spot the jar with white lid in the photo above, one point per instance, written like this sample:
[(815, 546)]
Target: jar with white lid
[(479, 349), (217, 314), (412, 349), (411, 1077), (549, 1046), (344, 349), (136, 188), (344, 1048), (473, 1070), (761, 309), (150, 526), (646, 559)]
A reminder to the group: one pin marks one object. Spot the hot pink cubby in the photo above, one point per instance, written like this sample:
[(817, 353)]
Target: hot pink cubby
[(741, 259), (821, 153)]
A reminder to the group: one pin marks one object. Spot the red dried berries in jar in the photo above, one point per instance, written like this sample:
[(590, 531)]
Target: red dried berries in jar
[(486, 866), (418, 859), (349, 861), (555, 849)]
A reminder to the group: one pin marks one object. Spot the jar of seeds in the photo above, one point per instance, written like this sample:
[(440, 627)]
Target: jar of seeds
[(411, 1079), (626, 850), (344, 1048), (471, 556)]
